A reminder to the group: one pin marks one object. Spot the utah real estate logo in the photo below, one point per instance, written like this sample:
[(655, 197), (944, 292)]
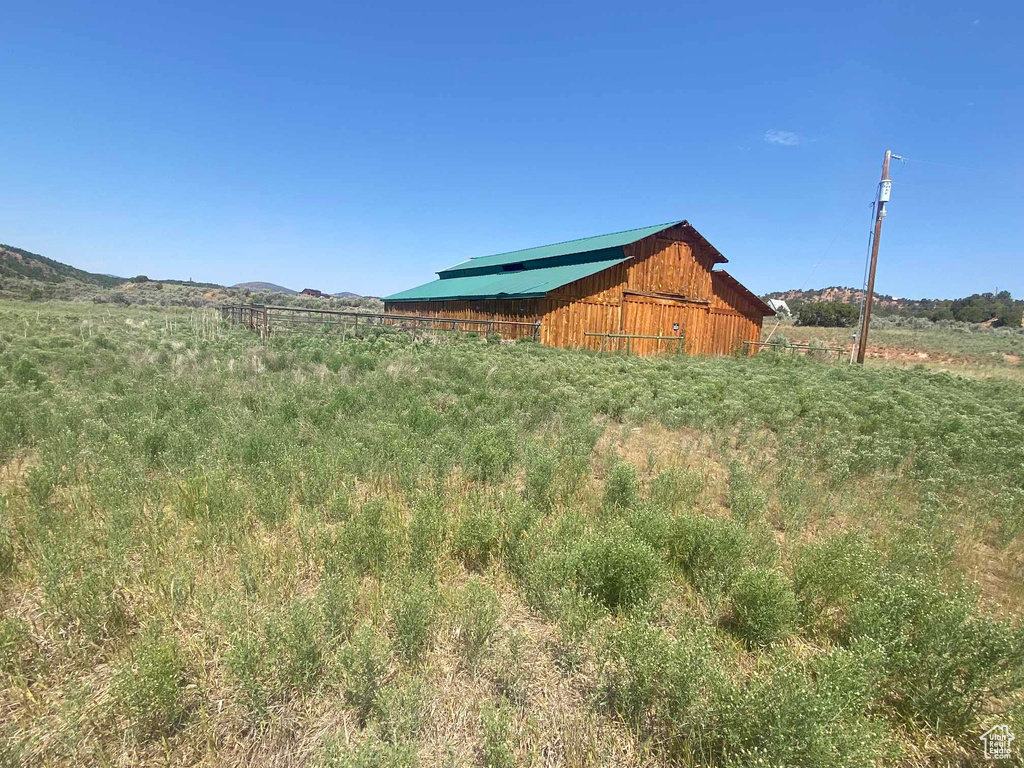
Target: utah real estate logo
[(997, 742)]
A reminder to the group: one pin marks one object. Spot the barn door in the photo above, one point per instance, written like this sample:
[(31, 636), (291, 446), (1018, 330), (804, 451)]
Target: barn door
[(659, 317)]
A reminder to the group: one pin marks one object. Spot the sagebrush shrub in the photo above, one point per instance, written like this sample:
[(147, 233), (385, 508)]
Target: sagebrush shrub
[(477, 539), (477, 611), (413, 617), (150, 685), (366, 660), (764, 607), (815, 713), (711, 551), (621, 487), (295, 646), (374, 537), (614, 566), (746, 500), (942, 658), (496, 750), (829, 576)]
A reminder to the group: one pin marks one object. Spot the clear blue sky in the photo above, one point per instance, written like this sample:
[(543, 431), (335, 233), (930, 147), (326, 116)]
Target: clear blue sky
[(364, 146)]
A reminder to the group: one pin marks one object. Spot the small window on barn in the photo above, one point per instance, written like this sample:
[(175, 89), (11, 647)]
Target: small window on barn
[(517, 267)]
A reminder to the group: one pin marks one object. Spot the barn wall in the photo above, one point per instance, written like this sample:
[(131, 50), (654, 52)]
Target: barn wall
[(515, 310), (672, 262), (734, 319), (666, 263)]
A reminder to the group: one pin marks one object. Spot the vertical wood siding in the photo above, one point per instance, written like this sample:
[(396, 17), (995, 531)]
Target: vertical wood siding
[(734, 318), (516, 310)]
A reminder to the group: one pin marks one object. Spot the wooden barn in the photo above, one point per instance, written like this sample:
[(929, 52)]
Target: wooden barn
[(655, 281)]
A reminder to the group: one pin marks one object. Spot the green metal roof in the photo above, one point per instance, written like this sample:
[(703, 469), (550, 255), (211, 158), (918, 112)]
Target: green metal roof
[(583, 245), (535, 271), (506, 285)]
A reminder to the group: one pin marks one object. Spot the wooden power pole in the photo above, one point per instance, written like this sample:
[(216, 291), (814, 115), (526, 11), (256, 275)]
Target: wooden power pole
[(884, 188)]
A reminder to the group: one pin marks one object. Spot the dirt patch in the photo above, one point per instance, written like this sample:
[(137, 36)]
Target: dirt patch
[(14, 472)]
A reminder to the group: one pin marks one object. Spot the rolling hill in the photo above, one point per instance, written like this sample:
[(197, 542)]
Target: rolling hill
[(15, 262), (256, 285)]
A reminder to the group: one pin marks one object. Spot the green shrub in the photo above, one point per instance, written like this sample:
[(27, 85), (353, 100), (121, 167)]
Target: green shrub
[(27, 374), (829, 576), (496, 750), (477, 611), (150, 686), (248, 660), (747, 502), (652, 523), (650, 679), (711, 551), (491, 451), (795, 713), (413, 617), (477, 539), (372, 752), (835, 314), (942, 658), (616, 568), (763, 607), (676, 489), (337, 596), (374, 537), (427, 532), (295, 648), (366, 660), (8, 558), (576, 614), (621, 488), (16, 647), (541, 477), (400, 710)]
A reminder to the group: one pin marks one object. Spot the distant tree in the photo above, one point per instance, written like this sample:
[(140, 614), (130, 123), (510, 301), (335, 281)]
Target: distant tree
[(832, 314), (139, 279), (35, 295)]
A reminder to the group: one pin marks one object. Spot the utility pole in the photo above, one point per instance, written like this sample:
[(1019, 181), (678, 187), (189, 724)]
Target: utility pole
[(884, 190)]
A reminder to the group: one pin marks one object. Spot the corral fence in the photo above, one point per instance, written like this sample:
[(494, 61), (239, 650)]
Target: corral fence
[(623, 342), (797, 348), (267, 320)]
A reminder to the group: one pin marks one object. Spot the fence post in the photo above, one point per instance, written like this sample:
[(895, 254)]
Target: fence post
[(628, 340)]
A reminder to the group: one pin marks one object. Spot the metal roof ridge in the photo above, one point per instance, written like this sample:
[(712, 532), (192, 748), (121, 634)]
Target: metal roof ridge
[(577, 239)]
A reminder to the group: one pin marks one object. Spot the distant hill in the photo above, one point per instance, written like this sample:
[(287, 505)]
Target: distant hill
[(24, 274), (271, 287), (15, 262)]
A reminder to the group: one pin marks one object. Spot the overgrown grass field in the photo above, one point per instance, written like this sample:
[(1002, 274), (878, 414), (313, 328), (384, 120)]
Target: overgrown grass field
[(449, 551)]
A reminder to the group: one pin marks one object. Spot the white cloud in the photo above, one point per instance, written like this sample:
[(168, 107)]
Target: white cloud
[(783, 138)]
